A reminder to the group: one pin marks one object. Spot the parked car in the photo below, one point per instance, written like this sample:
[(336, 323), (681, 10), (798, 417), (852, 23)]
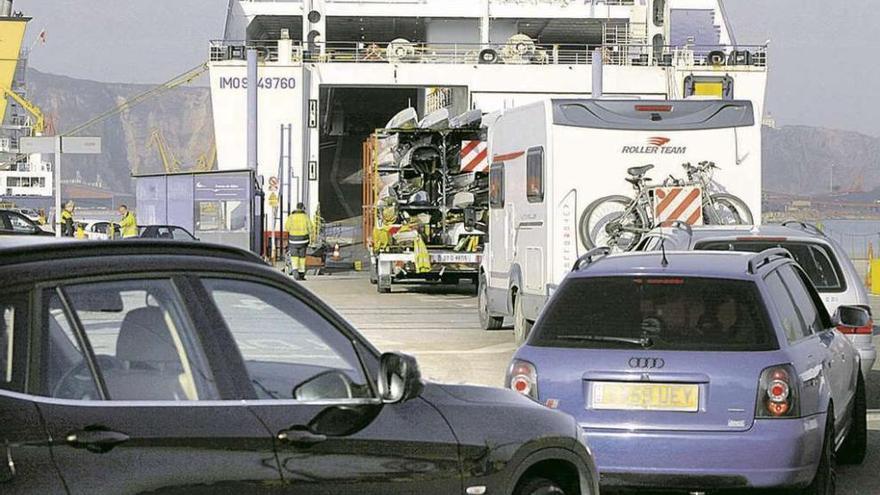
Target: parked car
[(29, 213), (14, 223), (100, 230), (700, 371), (166, 232), (822, 258), (155, 366)]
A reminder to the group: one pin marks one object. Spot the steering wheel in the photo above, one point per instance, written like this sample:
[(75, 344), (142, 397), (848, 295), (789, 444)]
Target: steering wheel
[(78, 383)]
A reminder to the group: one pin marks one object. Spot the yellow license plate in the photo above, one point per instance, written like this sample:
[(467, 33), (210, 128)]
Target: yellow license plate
[(645, 396)]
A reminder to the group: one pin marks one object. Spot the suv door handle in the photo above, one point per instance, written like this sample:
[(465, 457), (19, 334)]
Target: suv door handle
[(97, 441), (301, 438)]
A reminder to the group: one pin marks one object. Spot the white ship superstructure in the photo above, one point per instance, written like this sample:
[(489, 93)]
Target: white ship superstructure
[(334, 70), (25, 179)]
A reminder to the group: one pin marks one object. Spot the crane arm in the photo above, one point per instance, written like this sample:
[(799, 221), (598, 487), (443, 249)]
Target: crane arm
[(39, 119), (169, 162), (179, 80)]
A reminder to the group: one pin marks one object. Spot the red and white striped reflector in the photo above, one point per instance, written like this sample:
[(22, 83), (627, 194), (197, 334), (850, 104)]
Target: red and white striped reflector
[(474, 156), (678, 203)]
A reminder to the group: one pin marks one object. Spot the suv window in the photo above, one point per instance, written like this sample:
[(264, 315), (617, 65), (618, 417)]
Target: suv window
[(290, 351), (21, 224), (792, 325), (802, 300), (13, 311), (817, 260), (675, 313), (143, 342)]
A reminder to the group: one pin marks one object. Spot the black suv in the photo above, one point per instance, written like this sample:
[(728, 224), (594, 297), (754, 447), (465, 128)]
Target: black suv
[(174, 367)]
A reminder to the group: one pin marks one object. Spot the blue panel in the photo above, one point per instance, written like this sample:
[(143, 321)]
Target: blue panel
[(180, 201), (151, 194), (698, 24)]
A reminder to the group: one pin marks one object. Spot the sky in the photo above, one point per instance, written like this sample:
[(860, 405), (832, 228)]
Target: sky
[(822, 65)]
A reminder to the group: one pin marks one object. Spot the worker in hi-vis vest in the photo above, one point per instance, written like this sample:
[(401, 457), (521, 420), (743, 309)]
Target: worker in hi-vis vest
[(68, 226), (299, 228), (128, 224)]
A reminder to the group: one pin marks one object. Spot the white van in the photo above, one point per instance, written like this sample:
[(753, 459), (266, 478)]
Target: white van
[(553, 159)]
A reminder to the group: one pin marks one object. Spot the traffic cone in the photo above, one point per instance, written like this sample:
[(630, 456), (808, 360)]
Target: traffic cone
[(336, 252)]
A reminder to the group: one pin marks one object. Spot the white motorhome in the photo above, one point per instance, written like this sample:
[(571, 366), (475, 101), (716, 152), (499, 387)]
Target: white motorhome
[(554, 158)]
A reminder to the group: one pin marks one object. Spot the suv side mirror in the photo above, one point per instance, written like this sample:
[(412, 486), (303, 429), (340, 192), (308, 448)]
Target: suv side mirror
[(399, 378), (850, 317)]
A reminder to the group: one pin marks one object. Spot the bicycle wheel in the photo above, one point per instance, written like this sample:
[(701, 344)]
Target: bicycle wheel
[(603, 224), (729, 210)]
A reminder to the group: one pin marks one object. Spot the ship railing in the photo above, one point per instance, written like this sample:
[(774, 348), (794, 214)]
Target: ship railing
[(636, 55)]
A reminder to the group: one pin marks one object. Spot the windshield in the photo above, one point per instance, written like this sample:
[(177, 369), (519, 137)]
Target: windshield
[(659, 313), (817, 260)]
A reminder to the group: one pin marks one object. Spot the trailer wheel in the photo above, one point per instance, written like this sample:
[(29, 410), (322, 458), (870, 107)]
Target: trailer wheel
[(374, 278), (487, 321), (521, 326)]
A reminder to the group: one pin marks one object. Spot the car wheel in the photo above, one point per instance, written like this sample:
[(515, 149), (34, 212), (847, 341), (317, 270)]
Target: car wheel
[(487, 321), (521, 326), (856, 444), (539, 486), (825, 481)]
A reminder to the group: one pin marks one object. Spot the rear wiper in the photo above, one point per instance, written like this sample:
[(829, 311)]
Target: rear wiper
[(645, 341)]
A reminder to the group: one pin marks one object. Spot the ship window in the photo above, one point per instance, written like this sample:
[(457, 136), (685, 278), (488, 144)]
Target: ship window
[(496, 185), (13, 182), (659, 12), (535, 175)]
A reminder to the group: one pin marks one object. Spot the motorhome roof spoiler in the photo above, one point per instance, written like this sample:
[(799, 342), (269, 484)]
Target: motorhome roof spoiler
[(653, 115)]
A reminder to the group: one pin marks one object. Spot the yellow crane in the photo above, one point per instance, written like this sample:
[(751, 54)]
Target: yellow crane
[(39, 124), (169, 161), (205, 162)]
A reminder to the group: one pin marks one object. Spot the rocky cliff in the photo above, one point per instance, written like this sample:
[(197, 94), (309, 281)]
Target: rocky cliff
[(183, 115)]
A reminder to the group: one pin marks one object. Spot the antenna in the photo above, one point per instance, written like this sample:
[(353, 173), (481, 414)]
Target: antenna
[(664, 262)]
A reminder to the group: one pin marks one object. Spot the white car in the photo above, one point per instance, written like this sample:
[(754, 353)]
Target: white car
[(99, 230), (823, 259)]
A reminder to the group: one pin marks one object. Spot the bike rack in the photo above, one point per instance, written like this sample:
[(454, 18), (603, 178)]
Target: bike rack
[(587, 259), (678, 224), (767, 256)]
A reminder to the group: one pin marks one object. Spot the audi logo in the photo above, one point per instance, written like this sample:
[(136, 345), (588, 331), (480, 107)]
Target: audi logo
[(646, 363)]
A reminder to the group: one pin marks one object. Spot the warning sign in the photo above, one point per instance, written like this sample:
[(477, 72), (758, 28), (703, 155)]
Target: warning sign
[(273, 200), (273, 183)]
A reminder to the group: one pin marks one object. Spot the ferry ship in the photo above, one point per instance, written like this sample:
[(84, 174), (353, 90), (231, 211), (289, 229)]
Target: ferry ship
[(333, 71), (26, 180)]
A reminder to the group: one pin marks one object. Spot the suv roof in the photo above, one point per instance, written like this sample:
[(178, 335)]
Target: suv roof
[(15, 253), (684, 236), (708, 264)]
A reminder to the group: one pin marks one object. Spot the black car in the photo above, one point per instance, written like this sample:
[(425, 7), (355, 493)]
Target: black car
[(14, 223), (174, 367), (166, 232)]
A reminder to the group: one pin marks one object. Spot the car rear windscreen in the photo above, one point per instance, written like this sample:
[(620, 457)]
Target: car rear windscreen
[(659, 313), (817, 260)]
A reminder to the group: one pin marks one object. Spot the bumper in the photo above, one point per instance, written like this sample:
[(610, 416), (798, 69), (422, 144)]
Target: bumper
[(868, 357), (773, 453)]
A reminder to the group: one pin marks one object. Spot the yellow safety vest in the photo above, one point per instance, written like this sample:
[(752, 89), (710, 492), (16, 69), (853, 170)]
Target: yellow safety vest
[(298, 227), (128, 225)]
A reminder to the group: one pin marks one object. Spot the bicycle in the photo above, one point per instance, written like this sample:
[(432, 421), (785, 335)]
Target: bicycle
[(619, 222)]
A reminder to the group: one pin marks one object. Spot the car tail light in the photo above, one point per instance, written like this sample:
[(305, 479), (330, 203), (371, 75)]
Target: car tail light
[(778, 393), (523, 378), (865, 330)]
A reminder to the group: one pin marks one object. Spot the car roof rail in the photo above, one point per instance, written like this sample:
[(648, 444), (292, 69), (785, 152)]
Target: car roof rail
[(678, 224), (807, 227), (588, 259), (767, 256)]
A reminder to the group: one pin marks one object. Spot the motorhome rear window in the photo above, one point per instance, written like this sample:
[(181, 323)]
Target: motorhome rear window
[(535, 175), (636, 115), (817, 260), (496, 185), (658, 313)]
